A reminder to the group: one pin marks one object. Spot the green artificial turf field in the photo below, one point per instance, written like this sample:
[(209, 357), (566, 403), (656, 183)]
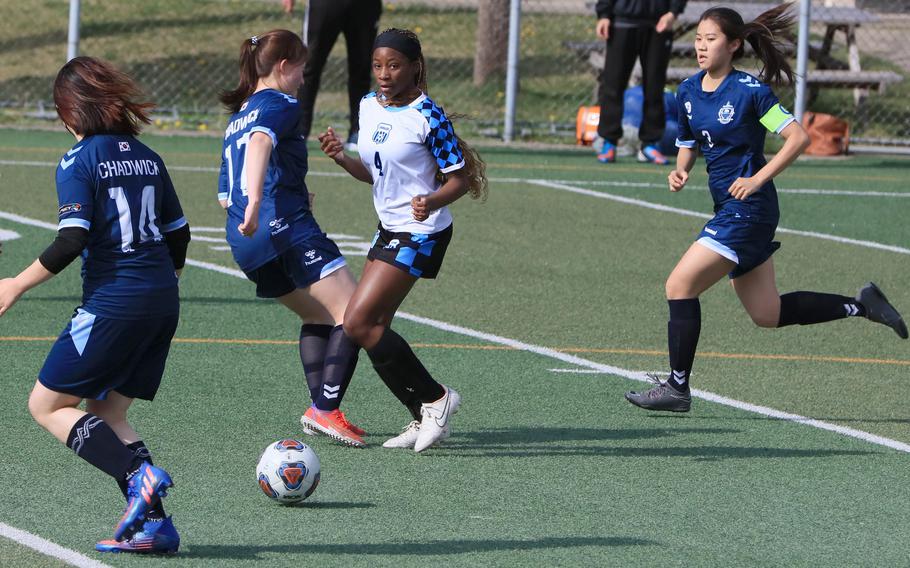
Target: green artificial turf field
[(550, 299)]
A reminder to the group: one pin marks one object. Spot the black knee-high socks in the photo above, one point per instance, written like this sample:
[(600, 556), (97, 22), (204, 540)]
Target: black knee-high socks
[(683, 330), (806, 308), (403, 373)]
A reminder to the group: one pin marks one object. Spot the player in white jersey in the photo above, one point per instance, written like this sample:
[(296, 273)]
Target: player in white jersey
[(417, 166)]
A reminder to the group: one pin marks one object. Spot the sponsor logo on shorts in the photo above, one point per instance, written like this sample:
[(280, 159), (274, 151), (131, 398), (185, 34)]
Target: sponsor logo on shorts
[(311, 255), (710, 231), (70, 208), (393, 244), (278, 225)]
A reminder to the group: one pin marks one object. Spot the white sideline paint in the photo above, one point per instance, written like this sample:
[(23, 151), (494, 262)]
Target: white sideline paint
[(48, 548), (571, 359), (700, 215), (607, 183)]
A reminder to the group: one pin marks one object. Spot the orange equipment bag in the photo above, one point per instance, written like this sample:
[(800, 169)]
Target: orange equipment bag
[(586, 125), (828, 135)]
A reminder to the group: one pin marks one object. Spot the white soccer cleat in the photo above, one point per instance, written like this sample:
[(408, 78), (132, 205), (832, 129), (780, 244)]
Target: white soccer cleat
[(408, 437), (434, 423)]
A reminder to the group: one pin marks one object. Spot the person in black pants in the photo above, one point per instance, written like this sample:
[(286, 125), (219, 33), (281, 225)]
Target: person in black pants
[(643, 30), (323, 21)]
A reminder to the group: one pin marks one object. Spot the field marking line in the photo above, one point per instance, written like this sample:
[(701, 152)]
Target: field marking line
[(572, 359), (48, 548), (607, 183), (483, 347), (700, 215)]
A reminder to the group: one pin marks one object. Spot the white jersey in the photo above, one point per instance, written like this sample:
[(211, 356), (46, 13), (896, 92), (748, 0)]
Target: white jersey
[(403, 148)]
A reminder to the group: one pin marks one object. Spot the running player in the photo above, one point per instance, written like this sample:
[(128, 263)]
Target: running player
[(119, 211), (725, 112), (272, 232), (417, 166)]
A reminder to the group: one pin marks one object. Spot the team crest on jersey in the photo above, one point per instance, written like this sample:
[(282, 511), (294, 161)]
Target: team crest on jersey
[(124, 146), (70, 208), (725, 114), (382, 132)]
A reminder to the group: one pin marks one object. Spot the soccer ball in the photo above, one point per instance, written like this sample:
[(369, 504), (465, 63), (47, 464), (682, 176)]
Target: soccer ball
[(288, 471)]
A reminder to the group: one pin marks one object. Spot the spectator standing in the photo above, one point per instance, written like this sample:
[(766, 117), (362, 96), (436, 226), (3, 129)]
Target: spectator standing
[(634, 29), (323, 21)]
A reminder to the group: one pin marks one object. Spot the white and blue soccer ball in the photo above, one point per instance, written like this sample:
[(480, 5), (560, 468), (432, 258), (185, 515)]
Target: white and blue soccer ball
[(288, 471)]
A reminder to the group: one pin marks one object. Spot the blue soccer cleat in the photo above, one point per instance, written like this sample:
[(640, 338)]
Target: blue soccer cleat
[(145, 490), (155, 537)]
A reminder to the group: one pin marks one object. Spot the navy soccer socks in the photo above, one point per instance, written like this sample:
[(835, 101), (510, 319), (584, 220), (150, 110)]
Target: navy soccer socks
[(683, 330), (403, 373), (340, 362), (807, 308), (314, 339)]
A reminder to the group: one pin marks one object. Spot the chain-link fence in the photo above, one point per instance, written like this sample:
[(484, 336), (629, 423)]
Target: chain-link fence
[(184, 53)]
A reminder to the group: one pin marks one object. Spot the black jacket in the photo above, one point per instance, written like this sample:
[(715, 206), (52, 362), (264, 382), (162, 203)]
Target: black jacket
[(641, 11)]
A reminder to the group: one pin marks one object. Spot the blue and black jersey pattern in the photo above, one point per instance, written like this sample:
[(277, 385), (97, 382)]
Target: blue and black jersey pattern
[(441, 141)]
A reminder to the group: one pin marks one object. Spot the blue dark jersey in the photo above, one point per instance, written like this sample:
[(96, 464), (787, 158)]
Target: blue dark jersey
[(285, 201), (118, 189), (729, 126)]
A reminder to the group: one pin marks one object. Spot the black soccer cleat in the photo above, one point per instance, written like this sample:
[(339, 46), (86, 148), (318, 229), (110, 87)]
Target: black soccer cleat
[(879, 310), (661, 397)]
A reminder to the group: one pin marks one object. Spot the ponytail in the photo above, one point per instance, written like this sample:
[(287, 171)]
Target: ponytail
[(258, 55), (765, 34)]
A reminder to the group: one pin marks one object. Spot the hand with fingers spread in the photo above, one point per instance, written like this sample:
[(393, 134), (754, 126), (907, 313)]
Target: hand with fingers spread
[(678, 179), (744, 187), (420, 207), (331, 144)]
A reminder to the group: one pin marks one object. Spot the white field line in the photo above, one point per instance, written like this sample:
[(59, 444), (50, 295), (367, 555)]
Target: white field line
[(700, 215), (48, 548), (607, 183), (572, 360)]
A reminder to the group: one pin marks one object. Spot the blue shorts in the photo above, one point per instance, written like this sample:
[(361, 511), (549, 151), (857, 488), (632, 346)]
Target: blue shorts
[(300, 266), (418, 254), (95, 355), (745, 242)]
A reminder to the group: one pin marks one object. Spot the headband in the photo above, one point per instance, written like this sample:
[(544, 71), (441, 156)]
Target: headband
[(399, 42)]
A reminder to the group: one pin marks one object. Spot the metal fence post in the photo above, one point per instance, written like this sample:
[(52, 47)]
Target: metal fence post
[(512, 70), (802, 59), (72, 42)]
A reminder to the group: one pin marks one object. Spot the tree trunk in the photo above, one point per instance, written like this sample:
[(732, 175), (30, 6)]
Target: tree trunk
[(492, 39)]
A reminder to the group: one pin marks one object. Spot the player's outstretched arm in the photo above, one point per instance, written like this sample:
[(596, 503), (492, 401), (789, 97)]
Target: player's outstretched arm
[(333, 148), (11, 289)]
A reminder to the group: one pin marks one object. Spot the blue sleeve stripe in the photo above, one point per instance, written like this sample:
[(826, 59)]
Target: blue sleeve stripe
[(74, 223), (174, 225), (685, 143), (267, 131)]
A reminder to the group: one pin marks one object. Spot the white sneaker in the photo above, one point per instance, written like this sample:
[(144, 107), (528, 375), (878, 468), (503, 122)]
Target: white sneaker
[(434, 423), (408, 437)]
